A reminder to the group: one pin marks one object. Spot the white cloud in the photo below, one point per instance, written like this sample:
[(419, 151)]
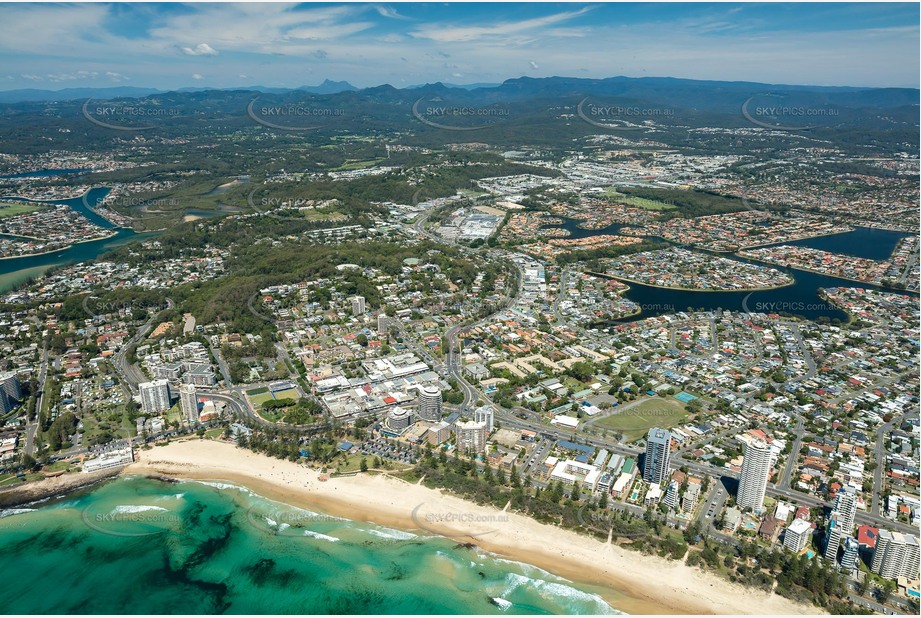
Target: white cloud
[(386, 11), (360, 43), (447, 33), (197, 76), (202, 49)]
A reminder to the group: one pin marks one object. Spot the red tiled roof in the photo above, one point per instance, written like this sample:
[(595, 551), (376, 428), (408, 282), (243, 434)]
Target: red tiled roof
[(867, 535)]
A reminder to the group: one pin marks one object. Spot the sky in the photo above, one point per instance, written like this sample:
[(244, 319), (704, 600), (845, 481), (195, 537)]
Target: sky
[(175, 45)]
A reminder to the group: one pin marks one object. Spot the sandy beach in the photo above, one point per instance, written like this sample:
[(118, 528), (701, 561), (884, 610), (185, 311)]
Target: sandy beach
[(639, 584)]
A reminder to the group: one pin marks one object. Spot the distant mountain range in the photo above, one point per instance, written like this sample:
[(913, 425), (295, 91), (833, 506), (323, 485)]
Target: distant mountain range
[(682, 93), (130, 92), (553, 111)]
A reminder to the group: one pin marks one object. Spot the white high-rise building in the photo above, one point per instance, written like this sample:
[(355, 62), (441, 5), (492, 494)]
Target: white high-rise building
[(398, 419), (154, 397), (896, 555), (471, 436), (430, 403), (358, 305), (756, 468), (658, 453), (381, 323), (797, 535), (851, 557), (671, 495), (841, 521), (188, 400), (484, 414)]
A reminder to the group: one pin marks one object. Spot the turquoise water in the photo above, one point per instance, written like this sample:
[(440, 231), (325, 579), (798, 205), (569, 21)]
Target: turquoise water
[(138, 545)]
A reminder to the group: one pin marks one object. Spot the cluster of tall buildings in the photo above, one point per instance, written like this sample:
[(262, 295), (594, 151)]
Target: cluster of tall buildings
[(894, 554), (840, 522), (155, 399)]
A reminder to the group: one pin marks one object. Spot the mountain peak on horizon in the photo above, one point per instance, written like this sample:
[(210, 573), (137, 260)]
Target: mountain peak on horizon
[(329, 86)]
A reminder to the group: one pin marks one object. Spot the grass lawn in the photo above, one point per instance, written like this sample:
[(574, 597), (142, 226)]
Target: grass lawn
[(11, 479), (638, 202), (653, 412), (357, 165), (273, 416), (261, 398), (214, 433), (9, 209), (58, 466), (288, 393), (352, 463), (257, 391)]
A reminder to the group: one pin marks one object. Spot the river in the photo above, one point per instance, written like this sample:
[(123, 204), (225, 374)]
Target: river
[(15, 271), (801, 298)]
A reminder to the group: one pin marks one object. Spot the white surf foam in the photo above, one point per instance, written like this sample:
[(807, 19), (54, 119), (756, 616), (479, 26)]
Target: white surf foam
[(387, 533), (320, 535), (136, 508)]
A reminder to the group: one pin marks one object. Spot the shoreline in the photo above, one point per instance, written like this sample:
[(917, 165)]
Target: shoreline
[(391, 502), (824, 274), (780, 242), (63, 248), (52, 487), (665, 287)]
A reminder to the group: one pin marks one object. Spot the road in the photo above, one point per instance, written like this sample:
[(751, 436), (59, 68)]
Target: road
[(222, 366), (240, 409), (794, 454), (781, 491), (130, 375), (879, 457), (911, 262), (32, 428)]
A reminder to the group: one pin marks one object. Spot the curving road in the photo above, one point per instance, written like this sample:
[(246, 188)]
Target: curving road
[(132, 376)]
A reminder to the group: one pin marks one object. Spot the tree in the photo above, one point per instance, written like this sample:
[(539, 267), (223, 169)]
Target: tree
[(582, 371), (364, 465), (574, 496), (863, 585), (883, 592)]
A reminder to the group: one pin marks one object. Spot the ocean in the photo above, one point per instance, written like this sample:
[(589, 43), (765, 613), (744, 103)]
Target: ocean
[(143, 546)]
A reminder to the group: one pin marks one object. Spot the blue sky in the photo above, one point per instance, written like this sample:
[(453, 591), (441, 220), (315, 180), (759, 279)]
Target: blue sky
[(56, 46)]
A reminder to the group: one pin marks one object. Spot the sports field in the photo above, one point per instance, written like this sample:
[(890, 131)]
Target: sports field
[(259, 396), (637, 420), (288, 393)]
